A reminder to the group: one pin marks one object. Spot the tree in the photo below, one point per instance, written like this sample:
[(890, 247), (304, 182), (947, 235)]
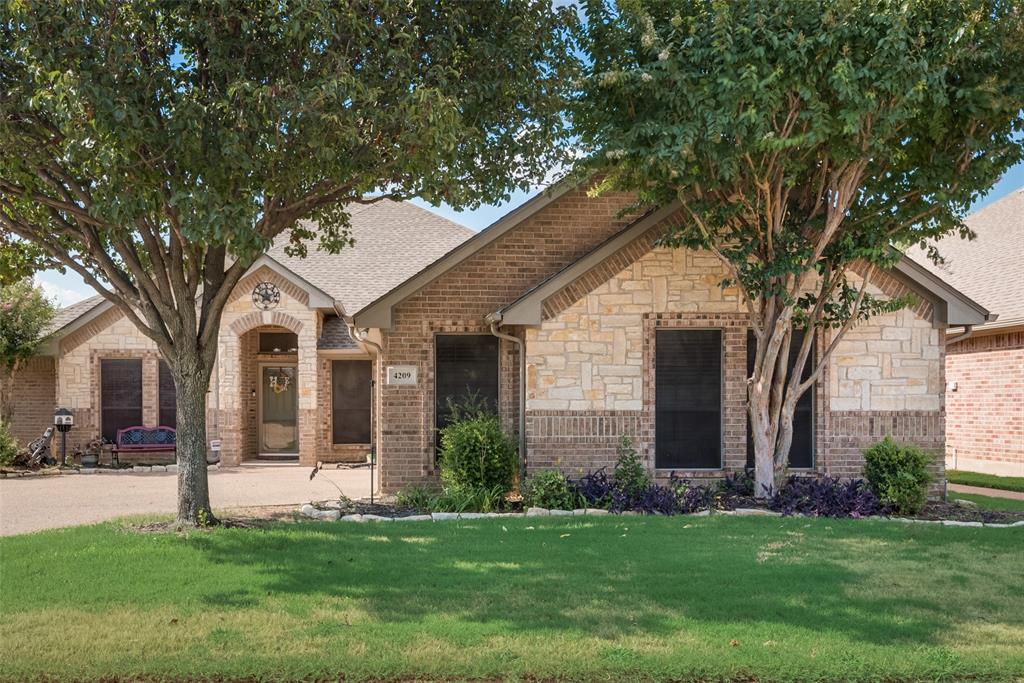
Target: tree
[(25, 312), (801, 140), (156, 147)]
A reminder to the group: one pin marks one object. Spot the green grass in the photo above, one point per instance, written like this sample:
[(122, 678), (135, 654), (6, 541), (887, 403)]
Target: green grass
[(990, 502), (990, 481), (637, 598)]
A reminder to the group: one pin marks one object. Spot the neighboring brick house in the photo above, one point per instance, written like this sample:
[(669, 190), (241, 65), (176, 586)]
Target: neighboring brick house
[(577, 304), (985, 370), (290, 381)]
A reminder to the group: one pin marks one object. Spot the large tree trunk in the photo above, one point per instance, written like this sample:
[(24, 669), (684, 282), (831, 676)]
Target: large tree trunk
[(191, 379)]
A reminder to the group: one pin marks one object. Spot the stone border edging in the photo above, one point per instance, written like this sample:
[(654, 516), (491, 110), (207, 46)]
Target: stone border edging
[(134, 469), (308, 510)]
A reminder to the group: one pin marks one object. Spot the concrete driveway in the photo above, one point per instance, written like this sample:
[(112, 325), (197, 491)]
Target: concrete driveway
[(46, 502)]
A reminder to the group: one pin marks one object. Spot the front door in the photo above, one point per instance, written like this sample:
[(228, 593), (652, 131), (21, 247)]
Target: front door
[(279, 428)]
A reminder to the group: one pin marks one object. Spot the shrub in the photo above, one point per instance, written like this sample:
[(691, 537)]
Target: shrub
[(549, 489), (8, 445), (898, 475), (825, 497), (475, 452), (630, 473)]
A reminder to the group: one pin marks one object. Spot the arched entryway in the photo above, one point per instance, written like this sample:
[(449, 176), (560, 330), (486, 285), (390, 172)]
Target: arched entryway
[(267, 388)]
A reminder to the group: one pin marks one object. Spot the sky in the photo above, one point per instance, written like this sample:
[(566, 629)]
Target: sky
[(67, 288)]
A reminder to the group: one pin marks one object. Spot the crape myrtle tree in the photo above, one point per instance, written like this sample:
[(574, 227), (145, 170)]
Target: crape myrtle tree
[(156, 147), (801, 140)]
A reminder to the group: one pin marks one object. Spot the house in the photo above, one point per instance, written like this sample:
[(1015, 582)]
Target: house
[(579, 329), (565, 316), (985, 367), (290, 381)]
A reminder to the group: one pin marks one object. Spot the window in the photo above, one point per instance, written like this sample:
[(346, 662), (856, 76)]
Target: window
[(120, 395), (279, 342), (688, 399), (168, 398), (464, 364), (801, 452), (351, 399)]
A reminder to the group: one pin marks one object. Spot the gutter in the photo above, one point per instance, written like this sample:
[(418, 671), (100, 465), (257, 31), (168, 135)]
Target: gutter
[(355, 332), (968, 331), (494, 319)]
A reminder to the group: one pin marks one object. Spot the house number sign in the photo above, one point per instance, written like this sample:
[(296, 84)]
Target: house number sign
[(402, 375)]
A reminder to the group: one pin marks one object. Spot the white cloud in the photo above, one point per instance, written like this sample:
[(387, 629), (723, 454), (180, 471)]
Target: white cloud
[(63, 293)]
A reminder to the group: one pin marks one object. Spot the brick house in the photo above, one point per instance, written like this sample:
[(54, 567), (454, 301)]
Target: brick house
[(579, 329), (290, 381), (570, 321), (985, 370)]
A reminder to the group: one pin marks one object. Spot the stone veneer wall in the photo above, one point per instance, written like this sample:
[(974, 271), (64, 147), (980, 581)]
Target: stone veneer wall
[(34, 400), (110, 335), (237, 366), (590, 370), (985, 412)]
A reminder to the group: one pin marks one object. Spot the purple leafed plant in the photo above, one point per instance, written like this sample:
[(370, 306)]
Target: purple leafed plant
[(825, 497)]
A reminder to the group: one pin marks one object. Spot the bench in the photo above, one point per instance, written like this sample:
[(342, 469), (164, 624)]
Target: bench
[(144, 439)]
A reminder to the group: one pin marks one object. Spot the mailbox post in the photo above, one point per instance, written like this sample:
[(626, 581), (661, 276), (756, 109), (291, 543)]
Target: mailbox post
[(63, 420)]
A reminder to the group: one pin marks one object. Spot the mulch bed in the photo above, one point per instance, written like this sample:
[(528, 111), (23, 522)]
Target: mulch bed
[(968, 513)]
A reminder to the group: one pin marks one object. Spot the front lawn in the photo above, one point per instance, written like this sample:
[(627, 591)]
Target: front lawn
[(542, 598), (990, 481), (989, 502)]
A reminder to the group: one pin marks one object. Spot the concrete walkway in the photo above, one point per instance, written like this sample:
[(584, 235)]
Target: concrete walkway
[(980, 491), (46, 502)]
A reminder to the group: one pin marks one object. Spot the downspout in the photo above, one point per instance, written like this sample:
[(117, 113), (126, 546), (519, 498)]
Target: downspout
[(495, 319), (968, 331), (354, 332)]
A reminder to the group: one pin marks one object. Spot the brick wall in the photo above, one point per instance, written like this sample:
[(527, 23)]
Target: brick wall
[(457, 302), (327, 450), (985, 412), (34, 399)]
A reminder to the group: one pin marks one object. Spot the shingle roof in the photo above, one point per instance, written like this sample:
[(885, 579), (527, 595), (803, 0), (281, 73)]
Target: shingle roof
[(393, 240), (69, 314), (334, 335), (990, 268)]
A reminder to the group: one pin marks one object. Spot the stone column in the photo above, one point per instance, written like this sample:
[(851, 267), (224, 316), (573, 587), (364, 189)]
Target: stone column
[(230, 388), (307, 379)]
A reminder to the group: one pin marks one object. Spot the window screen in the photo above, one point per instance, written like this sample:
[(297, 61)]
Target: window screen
[(278, 342), (120, 395), (801, 452), (351, 400), (168, 398), (688, 399), (464, 364)]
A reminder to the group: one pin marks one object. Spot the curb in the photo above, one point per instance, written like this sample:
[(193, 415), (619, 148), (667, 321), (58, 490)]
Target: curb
[(312, 512), (134, 469)]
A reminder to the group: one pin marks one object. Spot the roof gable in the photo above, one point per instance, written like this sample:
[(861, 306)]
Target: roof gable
[(377, 313), (562, 289)]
